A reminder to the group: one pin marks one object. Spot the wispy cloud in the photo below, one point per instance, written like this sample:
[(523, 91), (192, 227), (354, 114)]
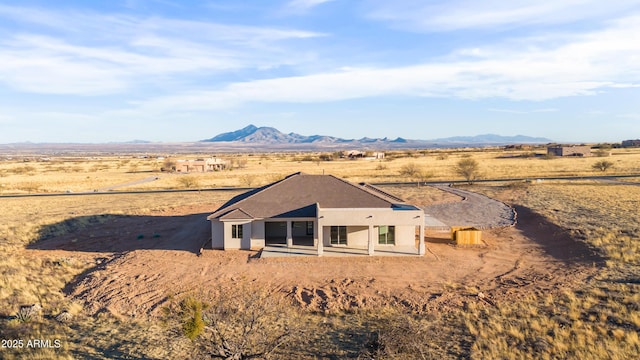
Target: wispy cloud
[(107, 53), (304, 5), (589, 64), (512, 111), (113, 53), (470, 14)]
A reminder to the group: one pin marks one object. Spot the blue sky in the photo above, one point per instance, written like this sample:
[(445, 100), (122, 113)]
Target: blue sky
[(168, 70)]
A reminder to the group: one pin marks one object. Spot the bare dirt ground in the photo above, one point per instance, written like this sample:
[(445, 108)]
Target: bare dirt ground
[(140, 261)]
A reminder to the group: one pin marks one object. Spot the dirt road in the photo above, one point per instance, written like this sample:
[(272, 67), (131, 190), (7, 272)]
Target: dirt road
[(132, 183)]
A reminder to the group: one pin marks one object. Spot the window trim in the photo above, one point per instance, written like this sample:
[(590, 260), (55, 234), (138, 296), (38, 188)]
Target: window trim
[(236, 231)]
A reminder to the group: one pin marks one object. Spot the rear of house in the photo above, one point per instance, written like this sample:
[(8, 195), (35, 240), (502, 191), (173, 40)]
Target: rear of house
[(317, 211)]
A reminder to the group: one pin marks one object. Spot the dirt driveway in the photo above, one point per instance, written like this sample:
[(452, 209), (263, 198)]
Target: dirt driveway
[(473, 210)]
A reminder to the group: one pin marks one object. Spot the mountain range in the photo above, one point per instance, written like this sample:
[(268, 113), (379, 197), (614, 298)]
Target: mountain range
[(271, 136), (253, 138)]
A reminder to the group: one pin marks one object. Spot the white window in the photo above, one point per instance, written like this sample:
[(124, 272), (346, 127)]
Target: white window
[(236, 231)]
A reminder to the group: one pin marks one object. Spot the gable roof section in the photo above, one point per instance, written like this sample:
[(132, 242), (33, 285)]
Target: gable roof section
[(236, 214), (297, 195)]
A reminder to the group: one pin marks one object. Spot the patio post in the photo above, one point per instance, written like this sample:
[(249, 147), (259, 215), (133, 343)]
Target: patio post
[(320, 245), (289, 234), (421, 246), (371, 240)]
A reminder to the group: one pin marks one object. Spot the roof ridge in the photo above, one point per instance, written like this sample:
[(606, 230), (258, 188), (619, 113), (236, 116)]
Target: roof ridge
[(361, 188), (370, 187)]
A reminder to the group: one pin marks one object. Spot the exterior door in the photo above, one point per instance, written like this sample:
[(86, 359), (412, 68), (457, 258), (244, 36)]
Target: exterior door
[(338, 235)]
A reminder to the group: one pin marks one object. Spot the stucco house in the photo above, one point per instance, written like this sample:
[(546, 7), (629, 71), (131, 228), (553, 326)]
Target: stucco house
[(573, 150), (317, 211), (201, 165)]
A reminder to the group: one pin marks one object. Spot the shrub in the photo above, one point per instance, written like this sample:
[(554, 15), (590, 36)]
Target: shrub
[(602, 165), (247, 179), (241, 323), (28, 313), (188, 181), (193, 323), (381, 166), (410, 170), (326, 157), (169, 165), (469, 169)]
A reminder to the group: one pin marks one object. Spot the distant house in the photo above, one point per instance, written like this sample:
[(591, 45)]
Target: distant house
[(201, 165), (378, 155), (519, 147), (631, 143), (357, 154), (560, 150), (317, 211)]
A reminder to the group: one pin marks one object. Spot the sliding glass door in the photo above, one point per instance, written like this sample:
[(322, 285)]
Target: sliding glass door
[(338, 235)]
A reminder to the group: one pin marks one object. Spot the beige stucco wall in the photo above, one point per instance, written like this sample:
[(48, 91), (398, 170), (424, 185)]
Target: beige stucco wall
[(359, 220), (257, 234), (368, 217), (358, 236), (217, 234), (405, 236), (230, 242)]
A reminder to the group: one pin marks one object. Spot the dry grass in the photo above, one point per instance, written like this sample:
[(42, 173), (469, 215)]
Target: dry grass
[(575, 324), (28, 278), (601, 319), (88, 174)]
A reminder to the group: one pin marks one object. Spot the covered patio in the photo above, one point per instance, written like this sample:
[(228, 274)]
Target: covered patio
[(282, 250)]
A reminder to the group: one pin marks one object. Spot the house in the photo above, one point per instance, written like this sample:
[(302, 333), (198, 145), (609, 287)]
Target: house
[(378, 155), (201, 165), (356, 154), (631, 143), (569, 150), (317, 211)]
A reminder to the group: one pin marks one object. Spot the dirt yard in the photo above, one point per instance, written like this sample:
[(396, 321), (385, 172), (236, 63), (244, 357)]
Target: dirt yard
[(140, 261)]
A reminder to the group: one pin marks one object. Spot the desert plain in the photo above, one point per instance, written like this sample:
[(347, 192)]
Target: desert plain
[(96, 238)]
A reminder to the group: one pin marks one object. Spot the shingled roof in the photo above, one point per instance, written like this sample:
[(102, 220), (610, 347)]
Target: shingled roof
[(297, 195)]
